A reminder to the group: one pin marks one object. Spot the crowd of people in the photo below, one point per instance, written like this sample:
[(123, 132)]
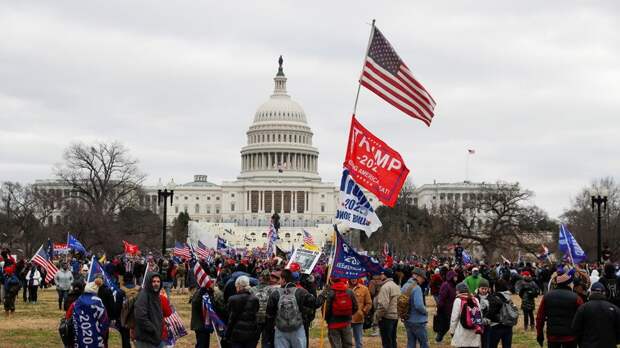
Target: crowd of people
[(263, 302)]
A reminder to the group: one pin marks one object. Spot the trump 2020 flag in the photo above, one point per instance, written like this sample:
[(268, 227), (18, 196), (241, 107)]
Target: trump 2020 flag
[(211, 318), (350, 264), (75, 244), (355, 209), (570, 247)]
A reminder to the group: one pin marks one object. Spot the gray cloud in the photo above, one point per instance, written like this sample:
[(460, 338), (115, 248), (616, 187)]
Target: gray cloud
[(532, 86)]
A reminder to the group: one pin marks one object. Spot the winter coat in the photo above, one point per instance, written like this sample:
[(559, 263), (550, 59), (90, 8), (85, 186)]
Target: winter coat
[(242, 325), (417, 310), (148, 313), (63, 279), (447, 294), (387, 301), (472, 282), (528, 291), (106, 296), (333, 321), (33, 277), (496, 301), (462, 337), (364, 303), (435, 284), (597, 323), (557, 309)]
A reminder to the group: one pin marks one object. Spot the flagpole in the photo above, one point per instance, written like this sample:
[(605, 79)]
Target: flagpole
[(359, 81), (329, 275)]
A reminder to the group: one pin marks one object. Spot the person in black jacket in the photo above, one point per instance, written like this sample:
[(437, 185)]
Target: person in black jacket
[(106, 296), (611, 283), (197, 324), (597, 322), (148, 313), (242, 330)]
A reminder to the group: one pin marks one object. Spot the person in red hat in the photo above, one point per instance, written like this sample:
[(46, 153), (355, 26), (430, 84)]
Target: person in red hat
[(528, 291), (341, 304)]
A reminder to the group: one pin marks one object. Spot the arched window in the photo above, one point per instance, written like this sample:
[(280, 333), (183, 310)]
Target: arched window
[(264, 235), (287, 235)]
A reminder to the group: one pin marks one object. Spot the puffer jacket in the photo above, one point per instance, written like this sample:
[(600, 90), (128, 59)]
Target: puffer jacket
[(387, 301), (242, 325)]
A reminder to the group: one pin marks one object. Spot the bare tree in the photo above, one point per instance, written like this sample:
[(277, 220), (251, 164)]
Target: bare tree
[(581, 218), (500, 218), (104, 180), (25, 211)]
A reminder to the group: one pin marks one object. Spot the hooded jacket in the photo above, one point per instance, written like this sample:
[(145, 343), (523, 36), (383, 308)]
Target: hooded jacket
[(597, 323), (447, 294), (148, 313)]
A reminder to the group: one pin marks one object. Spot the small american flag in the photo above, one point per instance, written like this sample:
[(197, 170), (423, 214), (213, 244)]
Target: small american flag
[(386, 75), (202, 250), (42, 259), (182, 250), (175, 326), (308, 239), (202, 278)]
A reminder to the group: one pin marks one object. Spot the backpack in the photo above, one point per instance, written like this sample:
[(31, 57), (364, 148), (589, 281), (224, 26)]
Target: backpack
[(127, 316), (402, 304), (508, 314), (342, 304), (471, 317), (289, 317), (263, 297)]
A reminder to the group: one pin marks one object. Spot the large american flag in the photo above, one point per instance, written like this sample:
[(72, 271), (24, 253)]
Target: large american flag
[(182, 250), (308, 239), (42, 259), (388, 76)]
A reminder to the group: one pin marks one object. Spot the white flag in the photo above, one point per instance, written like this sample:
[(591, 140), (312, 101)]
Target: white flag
[(354, 208)]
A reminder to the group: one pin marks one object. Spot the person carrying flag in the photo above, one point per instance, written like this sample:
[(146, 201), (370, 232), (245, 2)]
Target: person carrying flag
[(90, 319), (199, 317)]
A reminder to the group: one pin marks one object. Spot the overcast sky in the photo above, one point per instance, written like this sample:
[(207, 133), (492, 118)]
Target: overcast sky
[(532, 86)]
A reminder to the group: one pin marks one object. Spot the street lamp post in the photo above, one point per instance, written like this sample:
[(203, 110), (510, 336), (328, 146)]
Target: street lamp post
[(164, 194), (599, 200)]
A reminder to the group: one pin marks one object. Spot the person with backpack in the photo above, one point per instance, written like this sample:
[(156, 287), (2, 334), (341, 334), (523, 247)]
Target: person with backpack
[(503, 315), (386, 312), (242, 329), (262, 291), (340, 305), (528, 291), (364, 305), (597, 322), (465, 319), (284, 312), (412, 310), (557, 308)]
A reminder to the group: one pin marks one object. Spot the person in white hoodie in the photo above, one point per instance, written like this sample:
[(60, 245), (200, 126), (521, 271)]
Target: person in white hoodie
[(462, 337), (594, 277), (33, 280)]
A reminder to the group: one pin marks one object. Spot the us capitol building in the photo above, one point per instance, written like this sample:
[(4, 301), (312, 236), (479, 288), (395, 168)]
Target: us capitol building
[(279, 174)]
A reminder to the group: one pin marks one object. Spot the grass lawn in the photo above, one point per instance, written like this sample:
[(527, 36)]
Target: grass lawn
[(36, 326)]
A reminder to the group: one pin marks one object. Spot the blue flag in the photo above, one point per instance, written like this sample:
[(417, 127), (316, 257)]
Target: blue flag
[(466, 257), (75, 244), (350, 264), (570, 247), (95, 268), (221, 243), (211, 318)]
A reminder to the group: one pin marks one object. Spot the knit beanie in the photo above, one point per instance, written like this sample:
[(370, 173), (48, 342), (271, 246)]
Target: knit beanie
[(483, 283), (461, 288)]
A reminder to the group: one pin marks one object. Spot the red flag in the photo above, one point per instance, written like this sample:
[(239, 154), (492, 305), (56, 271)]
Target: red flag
[(130, 248), (374, 165)]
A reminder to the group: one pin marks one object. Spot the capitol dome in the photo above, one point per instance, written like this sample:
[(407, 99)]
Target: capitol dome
[(279, 141)]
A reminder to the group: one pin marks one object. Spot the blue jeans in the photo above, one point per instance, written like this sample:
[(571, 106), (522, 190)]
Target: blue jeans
[(387, 329), (293, 339), (167, 286), (358, 332), (416, 333)]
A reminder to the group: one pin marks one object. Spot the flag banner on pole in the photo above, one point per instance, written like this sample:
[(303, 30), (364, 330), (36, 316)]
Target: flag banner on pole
[(61, 248), (221, 243), (95, 268), (272, 238), (386, 75), (349, 264), (309, 242), (75, 244), (466, 257), (175, 327), (386, 249), (355, 209), (211, 318), (130, 248), (374, 165), (569, 246), (280, 253), (42, 259), (202, 251), (182, 250)]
